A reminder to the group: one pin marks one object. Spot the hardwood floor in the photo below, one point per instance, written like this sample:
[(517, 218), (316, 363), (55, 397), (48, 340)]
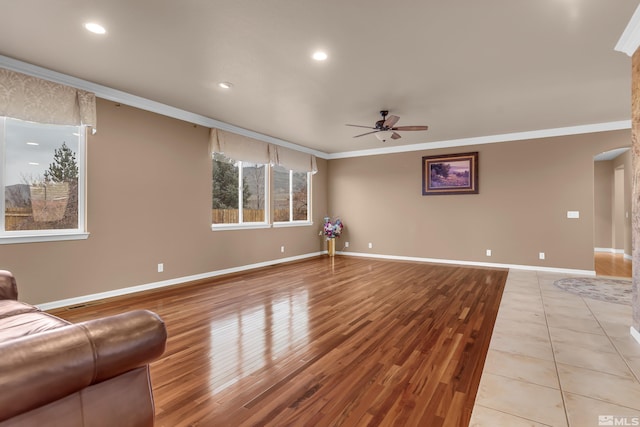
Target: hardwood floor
[(616, 265), (326, 341)]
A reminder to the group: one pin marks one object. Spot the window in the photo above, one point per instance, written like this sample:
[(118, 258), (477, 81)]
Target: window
[(235, 204), (290, 195), (43, 180), (249, 192)]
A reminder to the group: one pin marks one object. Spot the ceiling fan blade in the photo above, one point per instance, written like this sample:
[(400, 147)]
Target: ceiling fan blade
[(359, 126), (395, 135), (368, 133), (411, 128), (391, 120)]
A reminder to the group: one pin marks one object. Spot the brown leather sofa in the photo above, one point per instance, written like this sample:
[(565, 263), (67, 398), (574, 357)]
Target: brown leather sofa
[(94, 373)]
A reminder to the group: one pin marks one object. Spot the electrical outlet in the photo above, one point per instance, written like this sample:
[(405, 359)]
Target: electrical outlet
[(282, 249), (160, 268), (488, 252), (346, 244), (541, 255), (370, 245)]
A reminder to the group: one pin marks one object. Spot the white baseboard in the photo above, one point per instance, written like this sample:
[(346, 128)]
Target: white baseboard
[(635, 334), (613, 251), (474, 263), (609, 250), (178, 280)]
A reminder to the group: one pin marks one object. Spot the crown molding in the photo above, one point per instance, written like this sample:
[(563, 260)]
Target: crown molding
[(169, 111), (144, 104), (630, 38), (491, 139)]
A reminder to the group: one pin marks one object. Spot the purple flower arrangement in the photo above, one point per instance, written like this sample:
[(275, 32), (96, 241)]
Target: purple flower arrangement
[(332, 229)]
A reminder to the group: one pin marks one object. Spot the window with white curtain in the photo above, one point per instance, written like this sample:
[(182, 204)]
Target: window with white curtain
[(42, 152), (246, 189), (290, 195), (239, 192), (42, 178)]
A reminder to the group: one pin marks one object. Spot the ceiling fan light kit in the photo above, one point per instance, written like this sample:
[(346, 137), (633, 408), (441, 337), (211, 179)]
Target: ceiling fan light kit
[(385, 129), (384, 135)]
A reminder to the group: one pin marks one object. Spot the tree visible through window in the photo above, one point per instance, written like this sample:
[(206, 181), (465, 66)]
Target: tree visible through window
[(234, 203), (41, 176), (290, 195)]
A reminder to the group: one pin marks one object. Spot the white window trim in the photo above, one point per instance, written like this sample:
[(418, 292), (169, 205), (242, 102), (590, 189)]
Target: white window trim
[(267, 202), (291, 222), (245, 226), (36, 236)]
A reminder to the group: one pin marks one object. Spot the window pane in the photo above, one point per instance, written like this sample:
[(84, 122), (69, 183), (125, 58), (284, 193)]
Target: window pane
[(299, 194), (225, 191), (280, 194), (253, 192), (40, 176)]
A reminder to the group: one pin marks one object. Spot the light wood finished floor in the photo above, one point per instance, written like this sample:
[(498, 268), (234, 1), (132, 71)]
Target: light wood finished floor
[(327, 341), (612, 265)]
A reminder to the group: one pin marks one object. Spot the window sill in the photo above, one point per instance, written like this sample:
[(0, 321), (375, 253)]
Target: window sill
[(292, 224), (35, 238), (225, 227)]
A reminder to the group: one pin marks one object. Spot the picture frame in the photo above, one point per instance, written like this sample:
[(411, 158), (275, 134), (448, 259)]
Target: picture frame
[(450, 174)]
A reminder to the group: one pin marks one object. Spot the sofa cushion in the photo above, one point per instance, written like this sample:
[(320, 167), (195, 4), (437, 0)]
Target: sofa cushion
[(44, 367), (27, 323), (11, 308)]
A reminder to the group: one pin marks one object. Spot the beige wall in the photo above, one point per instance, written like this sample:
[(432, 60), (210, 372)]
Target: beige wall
[(603, 198), (149, 202), (526, 189), (618, 209), (624, 161), (613, 231)]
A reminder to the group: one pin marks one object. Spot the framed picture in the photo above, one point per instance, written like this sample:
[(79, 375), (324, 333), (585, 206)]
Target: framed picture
[(450, 174)]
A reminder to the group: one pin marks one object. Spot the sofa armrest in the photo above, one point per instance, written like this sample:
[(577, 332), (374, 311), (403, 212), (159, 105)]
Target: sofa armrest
[(42, 368), (8, 287)]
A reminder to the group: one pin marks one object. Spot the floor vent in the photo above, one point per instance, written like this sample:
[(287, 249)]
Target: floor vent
[(85, 304)]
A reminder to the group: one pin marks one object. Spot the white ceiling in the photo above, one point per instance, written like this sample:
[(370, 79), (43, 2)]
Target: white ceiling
[(466, 68)]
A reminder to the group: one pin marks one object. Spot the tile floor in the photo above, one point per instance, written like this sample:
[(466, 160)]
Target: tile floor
[(557, 359)]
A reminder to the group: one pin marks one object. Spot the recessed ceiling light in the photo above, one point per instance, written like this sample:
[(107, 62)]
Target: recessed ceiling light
[(225, 85), (95, 28), (319, 56), (32, 143), (34, 163)]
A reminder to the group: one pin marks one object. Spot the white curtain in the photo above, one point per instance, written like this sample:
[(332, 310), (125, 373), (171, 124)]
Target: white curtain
[(239, 147), (30, 98), (247, 149), (294, 160)]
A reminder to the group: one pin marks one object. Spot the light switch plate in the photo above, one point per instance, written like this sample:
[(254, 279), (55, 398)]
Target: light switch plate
[(573, 214)]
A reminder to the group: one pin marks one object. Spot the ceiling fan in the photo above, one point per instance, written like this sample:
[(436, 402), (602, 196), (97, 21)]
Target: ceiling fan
[(385, 129)]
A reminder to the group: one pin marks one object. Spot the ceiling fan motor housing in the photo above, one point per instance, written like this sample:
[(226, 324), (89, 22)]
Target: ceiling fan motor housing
[(386, 128)]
